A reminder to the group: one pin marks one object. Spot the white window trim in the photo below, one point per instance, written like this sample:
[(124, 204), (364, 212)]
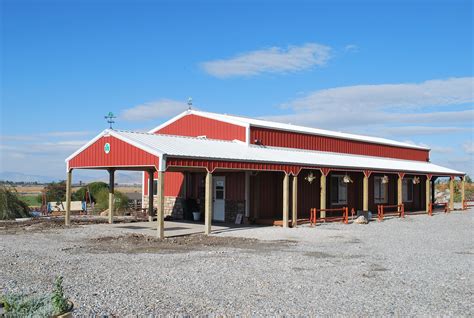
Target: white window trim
[(385, 190), (339, 202)]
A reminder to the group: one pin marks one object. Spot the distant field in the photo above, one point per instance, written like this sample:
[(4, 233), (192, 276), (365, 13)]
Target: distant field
[(31, 200)]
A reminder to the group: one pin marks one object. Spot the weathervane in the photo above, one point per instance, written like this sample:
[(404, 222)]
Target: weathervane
[(190, 103), (110, 119)]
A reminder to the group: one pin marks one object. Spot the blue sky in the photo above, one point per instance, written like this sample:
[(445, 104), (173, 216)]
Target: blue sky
[(396, 69)]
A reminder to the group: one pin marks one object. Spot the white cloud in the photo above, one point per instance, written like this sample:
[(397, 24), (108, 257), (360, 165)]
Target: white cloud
[(39, 136), (468, 147), (403, 96), (271, 60), (153, 110), (351, 48)]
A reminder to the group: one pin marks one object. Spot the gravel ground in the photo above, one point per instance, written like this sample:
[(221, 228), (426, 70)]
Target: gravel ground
[(415, 266)]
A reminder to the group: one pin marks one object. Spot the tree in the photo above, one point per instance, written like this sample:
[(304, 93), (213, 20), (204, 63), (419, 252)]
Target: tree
[(93, 187), (11, 206), (468, 179), (55, 191)]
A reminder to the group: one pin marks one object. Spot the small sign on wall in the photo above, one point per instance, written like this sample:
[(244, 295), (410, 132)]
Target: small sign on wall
[(238, 218)]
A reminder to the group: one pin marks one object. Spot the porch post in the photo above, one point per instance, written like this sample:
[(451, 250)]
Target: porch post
[(294, 202), (400, 188), (67, 217), (322, 200), (433, 190), (160, 216), (451, 193), (286, 199), (463, 196), (365, 205), (428, 197), (111, 194), (150, 194), (208, 204)]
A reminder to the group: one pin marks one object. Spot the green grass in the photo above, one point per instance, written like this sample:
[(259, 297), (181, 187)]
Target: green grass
[(31, 200)]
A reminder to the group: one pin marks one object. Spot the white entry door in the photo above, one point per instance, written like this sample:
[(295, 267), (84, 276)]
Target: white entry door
[(219, 198)]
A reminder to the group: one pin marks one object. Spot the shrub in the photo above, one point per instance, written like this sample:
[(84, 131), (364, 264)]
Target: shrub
[(94, 189), (102, 201), (20, 305), (11, 206)]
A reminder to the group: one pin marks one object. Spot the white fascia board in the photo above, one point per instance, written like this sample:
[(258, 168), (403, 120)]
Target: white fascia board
[(206, 115), (78, 151), (111, 132), (172, 120), (152, 151)]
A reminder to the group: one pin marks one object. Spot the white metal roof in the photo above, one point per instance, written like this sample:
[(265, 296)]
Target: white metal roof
[(202, 148), (247, 122)]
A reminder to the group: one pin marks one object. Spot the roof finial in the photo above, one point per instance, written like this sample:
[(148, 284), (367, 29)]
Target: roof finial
[(110, 119), (190, 103)]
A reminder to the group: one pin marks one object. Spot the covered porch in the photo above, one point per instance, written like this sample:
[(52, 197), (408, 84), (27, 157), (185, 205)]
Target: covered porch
[(232, 180)]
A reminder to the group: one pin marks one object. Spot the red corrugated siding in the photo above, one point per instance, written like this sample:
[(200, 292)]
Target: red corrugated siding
[(235, 185), (193, 125), (308, 193), (174, 183), (277, 138), (121, 154), (238, 165)]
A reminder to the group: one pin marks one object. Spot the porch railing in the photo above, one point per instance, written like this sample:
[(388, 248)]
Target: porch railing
[(382, 211), (314, 218), (467, 204)]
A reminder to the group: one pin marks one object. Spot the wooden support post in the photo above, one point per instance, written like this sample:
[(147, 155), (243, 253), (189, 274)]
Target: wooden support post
[(428, 196), (463, 195), (286, 199), (322, 199), (151, 192), (365, 200), (451, 193), (294, 202), (433, 190), (208, 204), (400, 189), (67, 217), (111, 194), (160, 215)]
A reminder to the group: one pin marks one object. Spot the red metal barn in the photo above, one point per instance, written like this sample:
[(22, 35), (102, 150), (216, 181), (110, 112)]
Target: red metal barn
[(270, 173)]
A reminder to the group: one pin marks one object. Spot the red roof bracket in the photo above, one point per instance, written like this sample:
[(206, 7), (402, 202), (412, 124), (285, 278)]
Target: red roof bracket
[(401, 175), (367, 173), (325, 171)]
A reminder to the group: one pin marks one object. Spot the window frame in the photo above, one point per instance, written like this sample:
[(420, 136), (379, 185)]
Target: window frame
[(383, 187)]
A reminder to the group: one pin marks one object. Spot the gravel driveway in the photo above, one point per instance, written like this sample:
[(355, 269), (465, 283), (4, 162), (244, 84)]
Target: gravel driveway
[(415, 266)]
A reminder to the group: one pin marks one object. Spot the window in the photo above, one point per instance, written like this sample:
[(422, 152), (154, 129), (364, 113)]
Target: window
[(338, 190), (407, 188), (380, 190)]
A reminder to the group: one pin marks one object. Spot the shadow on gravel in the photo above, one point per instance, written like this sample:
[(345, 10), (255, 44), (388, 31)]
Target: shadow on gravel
[(139, 243), (47, 224)]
